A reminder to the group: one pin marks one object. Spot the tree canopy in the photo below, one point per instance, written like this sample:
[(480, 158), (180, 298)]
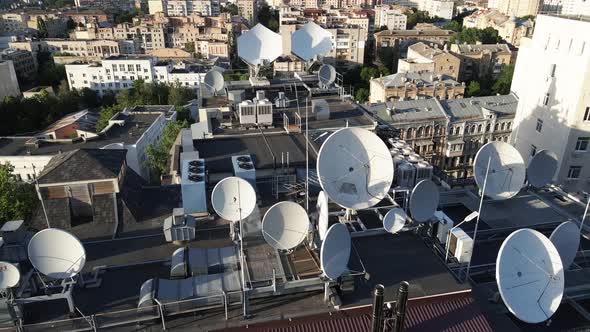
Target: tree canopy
[(17, 199), (269, 17), (157, 160), (488, 35), (230, 8)]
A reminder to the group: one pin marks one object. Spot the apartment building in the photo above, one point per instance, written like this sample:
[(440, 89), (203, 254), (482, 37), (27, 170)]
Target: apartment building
[(554, 104), (209, 42), (184, 7), (405, 38), (510, 28), (123, 5), (440, 8), (519, 8), (392, 18), (96, 49), (479, 60), (423, 58), (405, 86), (87, 16), (248, 9), (24, 63), (27, 22), (151, 36)]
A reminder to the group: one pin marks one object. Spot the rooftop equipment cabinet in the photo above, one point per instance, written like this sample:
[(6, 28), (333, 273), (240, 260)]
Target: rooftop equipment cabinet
[(264, 112), (247, 112), (405, 174), (179, 227), (244, 168), (194, 195)]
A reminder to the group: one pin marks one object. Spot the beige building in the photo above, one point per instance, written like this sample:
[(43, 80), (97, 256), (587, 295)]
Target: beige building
[(405, 86), (27, 21), (519, 8), (288, 64), (478, 60), (405, 38), (151, 36), (511, 29), (248, 9), (24, 63), (443, 62), (390, 17), (78, 48)]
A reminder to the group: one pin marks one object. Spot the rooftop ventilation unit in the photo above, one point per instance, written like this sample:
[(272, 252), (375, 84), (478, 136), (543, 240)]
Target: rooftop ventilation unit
[(460, 245), (263, 111), (321, 109), (179, 227), (281, 101), (423, 171), (405, 174), (244, 168), (194, 196), (247, 112), (259, 95)]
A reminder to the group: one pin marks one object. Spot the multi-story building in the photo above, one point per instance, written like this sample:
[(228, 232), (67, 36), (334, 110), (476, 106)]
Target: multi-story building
[(184, 7), (151, 36), (448, 133), (124, 5), (574, 7), (9, 86), (405, 38), (551, 81), (519, 8), (87, 16), (23, 61), (119, 73), (439, 8), (422, 57), (29, 22), (96, 49), (404, 86), (479, 60), (392, 18), (248, 9), (510, 28)]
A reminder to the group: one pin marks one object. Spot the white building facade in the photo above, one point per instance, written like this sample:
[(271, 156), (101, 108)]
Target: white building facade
[(393, 19)]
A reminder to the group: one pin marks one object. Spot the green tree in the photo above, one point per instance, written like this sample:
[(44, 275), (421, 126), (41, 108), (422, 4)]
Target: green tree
[(41, 28), (70, 24), (504, 81), (17, 199), (106, 113), (157, 155), (369, 72), (362, 95), (453, 25), (473, 89), (418, 16), (190, 47), (230, 8), (268, 17), (472, 35), (179, 95), (388, 57), (89, 98)]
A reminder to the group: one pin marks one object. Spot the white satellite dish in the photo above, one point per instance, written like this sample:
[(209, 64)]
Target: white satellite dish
[(542, 168), (285, 225), (394, 220), (507, 172), (233, 198), (259, 44), (355, 168), (529, 274), (214, 80), (9, 275), (323, 214), (335, 251), (310, 41), (327, 74), (56, 253), (566, 238), (424, 200)]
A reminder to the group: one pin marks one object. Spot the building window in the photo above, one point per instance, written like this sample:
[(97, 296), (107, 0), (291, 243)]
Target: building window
[(587, 114), (574, 172), (539, 125), (582, 143), (533, 150), (546, 99)]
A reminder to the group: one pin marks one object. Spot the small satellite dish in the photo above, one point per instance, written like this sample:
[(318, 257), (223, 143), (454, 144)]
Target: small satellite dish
[(310, 41), (285, 225), (394, 220), (327, 74), (424, 200), (566, 238), (214, 80), (542, 168), (232, 194), (335, 251), (529, 274), (323, 214), (507, 172), (9, 275), (355, 168), (56, 253)]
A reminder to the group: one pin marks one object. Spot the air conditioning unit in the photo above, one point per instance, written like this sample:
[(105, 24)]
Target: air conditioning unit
[(264, 112), (461, 245), (194, 195), (443, 226), (179, 227), (244, 168), (321, 109), (405, 174), (247, 112), (281, 101)]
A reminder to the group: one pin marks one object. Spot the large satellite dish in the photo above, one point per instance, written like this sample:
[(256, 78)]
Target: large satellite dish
[(323, 214), (233, 198), (310, 41), (214, 80), (566, 239), (394, 220), (507, 172), (259, 44), (542, 168), (335, 251), (9, 275), (285, 225), (355, 168), (56, 253), (424, 200), (529, 274), (327, 74)]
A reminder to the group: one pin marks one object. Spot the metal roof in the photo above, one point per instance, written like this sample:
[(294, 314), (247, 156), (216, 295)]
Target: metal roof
[(474, 107), (409, 110)]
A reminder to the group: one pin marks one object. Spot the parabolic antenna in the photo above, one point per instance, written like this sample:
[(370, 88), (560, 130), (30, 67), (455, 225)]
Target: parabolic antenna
[(285, 225), (259, 44), (232, 194), (9, 275), (566, 239), (529, 274), (214, 80), (424, 200), (507, 172), (394, 220), (542, 168), (310, 41), (56, 253), (355, 168), (335, 251), (323, 214), (327, 74)]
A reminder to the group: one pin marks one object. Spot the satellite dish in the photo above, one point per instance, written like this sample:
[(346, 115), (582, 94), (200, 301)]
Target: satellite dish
[(259, 44), (310, 41), (232, 194), (323, 214), (529, 274), (424, 200), (335, 251), (56, 253), (507, 172), (327, 74), (394, 220), (285, 225), (9, 275), (214, 80), (566, 239), (542, 168), (355, 168)]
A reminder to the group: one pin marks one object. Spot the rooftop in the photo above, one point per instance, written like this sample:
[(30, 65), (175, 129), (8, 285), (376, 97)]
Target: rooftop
[(478, 48), (84, 120), (426, 78), (475, 106)]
